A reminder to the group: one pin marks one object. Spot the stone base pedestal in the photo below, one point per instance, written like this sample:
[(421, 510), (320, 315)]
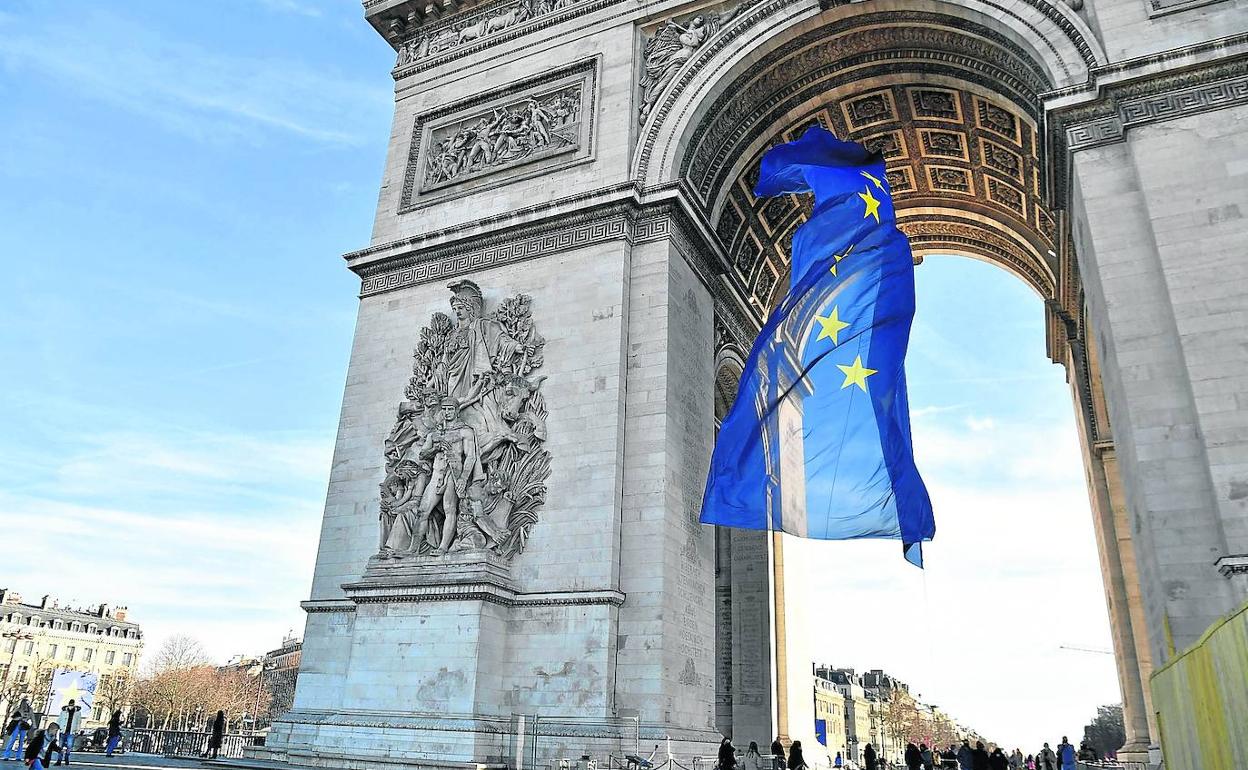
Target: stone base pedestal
[(440, 662)]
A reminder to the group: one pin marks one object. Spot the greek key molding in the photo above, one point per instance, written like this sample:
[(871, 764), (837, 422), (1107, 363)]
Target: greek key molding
[(1142, 110), (431, 129), (556, 239)]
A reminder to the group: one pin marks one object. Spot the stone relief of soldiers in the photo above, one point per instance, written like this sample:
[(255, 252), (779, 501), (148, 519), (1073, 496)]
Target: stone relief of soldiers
[(466, 466), (672, 46), (476, 27), (506, 135)]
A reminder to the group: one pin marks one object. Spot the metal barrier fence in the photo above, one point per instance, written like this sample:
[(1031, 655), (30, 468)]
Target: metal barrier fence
[(183, 743)]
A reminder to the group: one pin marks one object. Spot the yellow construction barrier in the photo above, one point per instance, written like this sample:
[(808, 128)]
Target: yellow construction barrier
[(1201, 698)]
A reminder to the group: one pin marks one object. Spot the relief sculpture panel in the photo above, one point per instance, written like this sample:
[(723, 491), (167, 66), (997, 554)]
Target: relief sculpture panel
[(466, 464), (531, 127)]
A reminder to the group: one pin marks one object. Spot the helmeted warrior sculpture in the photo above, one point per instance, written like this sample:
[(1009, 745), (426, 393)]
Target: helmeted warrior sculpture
[(465, 462)]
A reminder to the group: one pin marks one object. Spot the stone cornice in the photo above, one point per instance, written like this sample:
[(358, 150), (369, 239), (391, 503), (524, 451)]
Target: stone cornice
[(1141, 91), (327, 605)]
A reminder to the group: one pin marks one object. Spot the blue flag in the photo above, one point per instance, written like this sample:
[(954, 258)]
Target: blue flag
[(817, 443)]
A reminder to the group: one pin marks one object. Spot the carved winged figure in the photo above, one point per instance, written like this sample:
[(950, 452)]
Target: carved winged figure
[(670, 49)]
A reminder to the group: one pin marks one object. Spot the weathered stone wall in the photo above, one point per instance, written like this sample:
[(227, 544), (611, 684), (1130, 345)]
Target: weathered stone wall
[(1160, 236)]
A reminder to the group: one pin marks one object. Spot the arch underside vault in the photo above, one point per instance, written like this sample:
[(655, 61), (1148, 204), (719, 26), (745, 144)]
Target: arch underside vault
[(954, 107)]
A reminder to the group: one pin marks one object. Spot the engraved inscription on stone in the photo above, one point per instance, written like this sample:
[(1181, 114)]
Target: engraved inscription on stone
[(466, 466)]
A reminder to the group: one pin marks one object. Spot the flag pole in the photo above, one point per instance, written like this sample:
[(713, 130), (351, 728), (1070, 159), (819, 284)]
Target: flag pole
[(780, 687)]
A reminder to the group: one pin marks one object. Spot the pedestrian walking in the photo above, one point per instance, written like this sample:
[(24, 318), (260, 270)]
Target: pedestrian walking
[(43, 742), (868, 756), (16, 729), (966, 756), (913, 758), (777, 754), (1016, 760), (1066, 754), (796, 760), (69, 712), (1046, 759), (753, 760), (114, 733), (839, 761), (997, 760), (979, 757), (727, 759), (949, 758), (925, 755), (218, 735)]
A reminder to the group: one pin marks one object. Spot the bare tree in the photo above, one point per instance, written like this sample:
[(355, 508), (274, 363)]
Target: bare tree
[(179, 652)]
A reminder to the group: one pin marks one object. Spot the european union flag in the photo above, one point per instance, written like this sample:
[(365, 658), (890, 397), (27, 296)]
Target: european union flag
[(817, 443)]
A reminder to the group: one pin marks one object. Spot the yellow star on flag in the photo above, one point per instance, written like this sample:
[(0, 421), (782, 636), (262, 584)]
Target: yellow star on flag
[(839, 257), (856, 374), (878, 183), (831, 326), (873, 205)]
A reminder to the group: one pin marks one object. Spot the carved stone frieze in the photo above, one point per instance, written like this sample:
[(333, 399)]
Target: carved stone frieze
[(530, 127), (466, 464), (474, 26)]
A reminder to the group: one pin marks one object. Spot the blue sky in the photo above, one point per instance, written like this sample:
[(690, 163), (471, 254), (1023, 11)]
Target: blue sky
[(177, 184)]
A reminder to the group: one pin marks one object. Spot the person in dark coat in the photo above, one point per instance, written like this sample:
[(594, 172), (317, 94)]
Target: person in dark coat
[(114, 733), (979, 757), (218, 735), (997, 760), (17, 728), (966, 756), (777, 753), (868, 756), (914, 760), (796, 760), (727, 755), (42, 745)]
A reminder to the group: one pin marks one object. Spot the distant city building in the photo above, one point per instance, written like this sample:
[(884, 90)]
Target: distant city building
[(281, 671), (879, 709), (37, 639), (857, 707), (830, 711)]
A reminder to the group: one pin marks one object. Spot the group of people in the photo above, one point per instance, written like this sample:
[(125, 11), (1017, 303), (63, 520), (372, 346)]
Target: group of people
[(917, 757), (54, 740), (753, 760), (966, 757)]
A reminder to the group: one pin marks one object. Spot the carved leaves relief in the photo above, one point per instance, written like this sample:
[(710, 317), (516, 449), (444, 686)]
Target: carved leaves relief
[(466, 463)]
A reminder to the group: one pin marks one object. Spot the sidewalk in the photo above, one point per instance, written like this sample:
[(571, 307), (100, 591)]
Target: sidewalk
[(130, 761)]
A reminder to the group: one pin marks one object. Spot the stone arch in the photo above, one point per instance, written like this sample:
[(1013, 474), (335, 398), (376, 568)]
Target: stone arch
[(949, 93), (1048, 36)]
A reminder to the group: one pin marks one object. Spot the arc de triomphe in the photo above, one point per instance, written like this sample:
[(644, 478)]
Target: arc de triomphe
[(532, 441)]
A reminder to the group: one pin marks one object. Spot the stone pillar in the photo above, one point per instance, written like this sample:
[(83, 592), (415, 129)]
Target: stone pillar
[(1132, 657), (1171, 506)]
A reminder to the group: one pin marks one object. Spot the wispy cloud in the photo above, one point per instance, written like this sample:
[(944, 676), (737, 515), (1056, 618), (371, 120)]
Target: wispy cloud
[(210, 532), (200, 92)]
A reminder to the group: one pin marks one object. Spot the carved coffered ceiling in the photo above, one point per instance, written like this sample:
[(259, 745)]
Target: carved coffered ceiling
[(964, 170)]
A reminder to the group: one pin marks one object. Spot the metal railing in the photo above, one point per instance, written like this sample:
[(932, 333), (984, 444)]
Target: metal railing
[(183, 743)]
